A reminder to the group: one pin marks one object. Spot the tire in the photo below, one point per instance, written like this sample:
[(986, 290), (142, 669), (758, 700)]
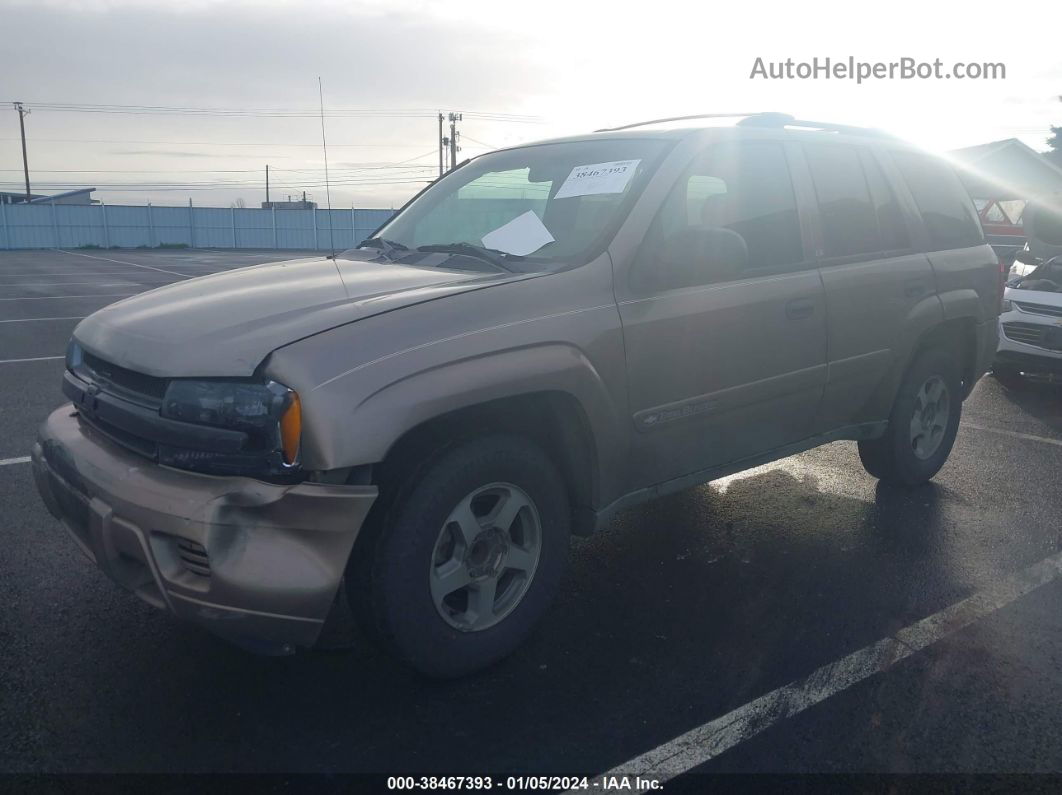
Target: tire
[(1009, 377), (421, 550), (901, 458)]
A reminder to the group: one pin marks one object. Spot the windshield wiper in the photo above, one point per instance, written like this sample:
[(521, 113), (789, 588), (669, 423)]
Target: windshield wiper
[(388, 247), (491, 255)]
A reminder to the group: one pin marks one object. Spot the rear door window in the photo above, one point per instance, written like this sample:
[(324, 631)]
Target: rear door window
[(947, 211), (849, 220), (892, 228)]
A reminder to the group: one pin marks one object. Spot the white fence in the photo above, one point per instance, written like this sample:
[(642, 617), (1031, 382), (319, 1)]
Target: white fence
[(107, 226)]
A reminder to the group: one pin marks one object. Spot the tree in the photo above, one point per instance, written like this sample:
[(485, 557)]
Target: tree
[(1054, 154), (239, 204)]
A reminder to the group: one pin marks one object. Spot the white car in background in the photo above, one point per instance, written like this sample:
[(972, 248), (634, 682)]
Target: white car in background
[(1030, 321)]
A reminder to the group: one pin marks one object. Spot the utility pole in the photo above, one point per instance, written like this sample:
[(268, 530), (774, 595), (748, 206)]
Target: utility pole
[(454, 148), (267, 183), (442, 146), (22, 113)]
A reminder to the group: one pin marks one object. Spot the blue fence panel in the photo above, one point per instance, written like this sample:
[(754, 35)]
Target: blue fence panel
[(77, 225), (368, 221), (30, 226), (170, 226), (213, 227), (295, 229), (128, 227), (123, 226), (254, 228)]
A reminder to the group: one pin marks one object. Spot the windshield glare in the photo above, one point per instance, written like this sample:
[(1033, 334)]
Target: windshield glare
[(547, 202)]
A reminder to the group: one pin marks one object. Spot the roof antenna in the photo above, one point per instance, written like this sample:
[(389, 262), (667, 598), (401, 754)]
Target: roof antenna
[(328, 191)]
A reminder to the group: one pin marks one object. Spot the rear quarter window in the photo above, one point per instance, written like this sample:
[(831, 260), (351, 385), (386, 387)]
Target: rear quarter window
[(946, 209)]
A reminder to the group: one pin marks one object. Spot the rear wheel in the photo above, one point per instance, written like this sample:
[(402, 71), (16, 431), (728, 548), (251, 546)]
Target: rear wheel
[(923, 422), (469, 557)]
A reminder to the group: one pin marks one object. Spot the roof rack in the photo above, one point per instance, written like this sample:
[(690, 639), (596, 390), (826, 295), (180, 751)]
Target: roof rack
[(678, 118), (778, 120), (766, 119)]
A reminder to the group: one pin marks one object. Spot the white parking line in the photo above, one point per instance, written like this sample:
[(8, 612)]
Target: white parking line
[(9, 461), (695, 747), (32, 359), (58, 297), (1015, 434), (124, 262), (32, 319)]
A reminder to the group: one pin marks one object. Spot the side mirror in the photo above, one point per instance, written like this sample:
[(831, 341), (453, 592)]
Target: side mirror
[(703, 255)]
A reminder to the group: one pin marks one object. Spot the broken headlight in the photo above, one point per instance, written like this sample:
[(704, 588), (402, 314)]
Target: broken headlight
[(269, 413)]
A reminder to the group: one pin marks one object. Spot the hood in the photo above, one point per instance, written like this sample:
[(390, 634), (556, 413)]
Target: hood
[(226, 323), (1027, 296)]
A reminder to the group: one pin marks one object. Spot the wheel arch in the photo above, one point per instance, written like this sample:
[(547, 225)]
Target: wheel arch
[(960, 335), (553, 419)]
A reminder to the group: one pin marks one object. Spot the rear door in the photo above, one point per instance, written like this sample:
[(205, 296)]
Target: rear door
[(873, 276), (721, 368)]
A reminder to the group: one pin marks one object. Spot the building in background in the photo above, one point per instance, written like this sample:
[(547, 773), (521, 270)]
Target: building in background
[(302, 204), (1001, 177), (290, 205), (79, 196)]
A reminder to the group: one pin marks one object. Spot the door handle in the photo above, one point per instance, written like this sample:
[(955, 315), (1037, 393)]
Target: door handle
[(800, 308)]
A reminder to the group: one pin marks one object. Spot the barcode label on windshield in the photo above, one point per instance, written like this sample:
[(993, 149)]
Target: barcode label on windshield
[(597, 178)]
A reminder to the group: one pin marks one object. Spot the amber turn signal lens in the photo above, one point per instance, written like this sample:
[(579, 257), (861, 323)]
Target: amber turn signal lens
[(291, 429)]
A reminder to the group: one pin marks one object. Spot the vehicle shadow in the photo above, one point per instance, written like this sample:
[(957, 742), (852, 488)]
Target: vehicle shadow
[(682, 610), (1037, 396)]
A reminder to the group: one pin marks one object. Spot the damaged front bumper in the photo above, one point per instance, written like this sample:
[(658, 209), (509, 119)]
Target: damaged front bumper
[(257, 563)]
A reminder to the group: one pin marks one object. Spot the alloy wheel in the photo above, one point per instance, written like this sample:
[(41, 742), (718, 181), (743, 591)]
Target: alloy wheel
[(485, 557)]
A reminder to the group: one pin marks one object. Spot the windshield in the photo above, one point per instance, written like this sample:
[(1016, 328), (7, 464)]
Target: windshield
[(543, 203)]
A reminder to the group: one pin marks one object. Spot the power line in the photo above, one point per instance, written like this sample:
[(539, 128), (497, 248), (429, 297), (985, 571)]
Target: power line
[(210, 143), (212, 170), (481, 143), (138, 188), (84, 107)]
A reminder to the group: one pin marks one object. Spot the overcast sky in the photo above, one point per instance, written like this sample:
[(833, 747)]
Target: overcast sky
[(574, 66)]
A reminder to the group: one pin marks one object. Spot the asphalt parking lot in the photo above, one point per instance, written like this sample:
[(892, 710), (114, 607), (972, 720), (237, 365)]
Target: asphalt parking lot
[(687, 618)]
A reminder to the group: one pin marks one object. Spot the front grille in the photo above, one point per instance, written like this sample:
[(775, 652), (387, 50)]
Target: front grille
[(136, 388), (194, 557), (145, 390), (1039, 309), (129, 441), (1029, 333)]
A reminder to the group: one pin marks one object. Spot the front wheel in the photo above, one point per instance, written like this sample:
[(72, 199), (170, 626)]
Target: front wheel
[(923, 423), (470, 556)]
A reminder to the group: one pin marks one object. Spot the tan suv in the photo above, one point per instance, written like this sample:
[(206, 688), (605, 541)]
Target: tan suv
[(545, 335)]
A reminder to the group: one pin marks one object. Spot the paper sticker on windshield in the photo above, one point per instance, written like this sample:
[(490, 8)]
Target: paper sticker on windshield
[(523, 235), (598, 178)]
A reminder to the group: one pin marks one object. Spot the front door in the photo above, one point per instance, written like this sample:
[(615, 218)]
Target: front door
[(723, 362)]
